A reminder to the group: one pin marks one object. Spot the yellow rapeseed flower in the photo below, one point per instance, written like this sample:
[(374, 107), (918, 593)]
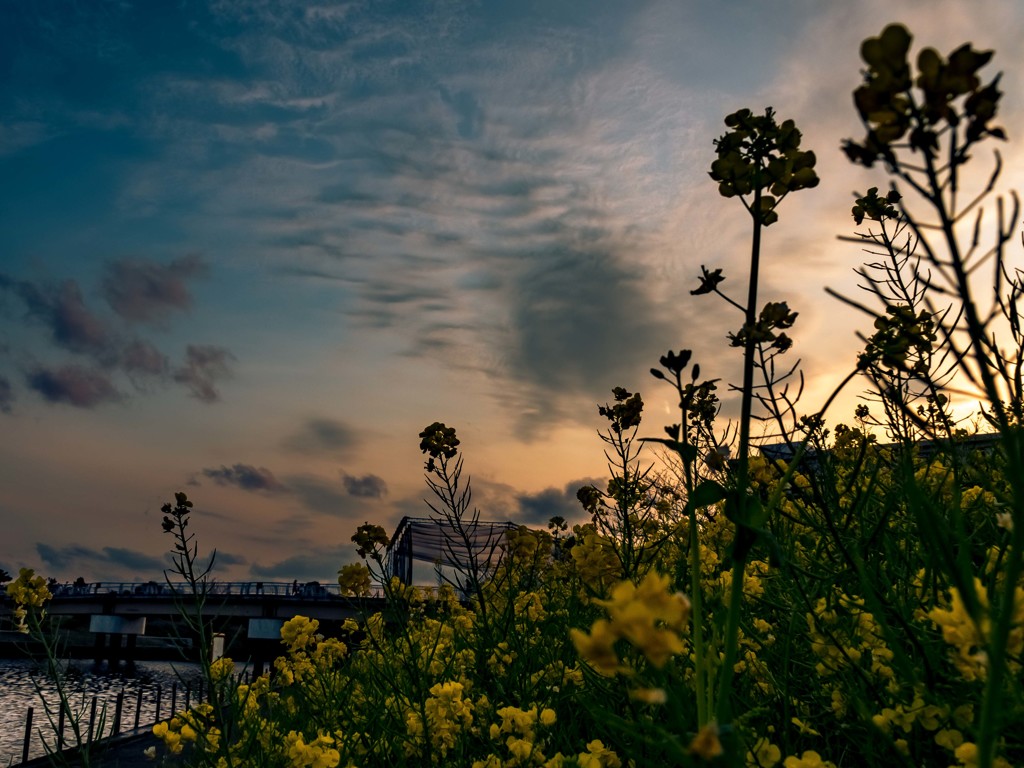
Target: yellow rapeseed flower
[(648, 615), (809, 759), (764, 754), (598, 756), (705, 743)]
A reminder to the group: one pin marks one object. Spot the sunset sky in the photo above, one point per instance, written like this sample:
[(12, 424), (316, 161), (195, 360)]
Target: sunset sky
[(249, 249)]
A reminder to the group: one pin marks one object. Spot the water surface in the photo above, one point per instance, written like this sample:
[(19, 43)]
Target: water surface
[(24, 684)]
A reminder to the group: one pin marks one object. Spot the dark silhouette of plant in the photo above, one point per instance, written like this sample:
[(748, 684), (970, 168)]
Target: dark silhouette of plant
[(922, 124), (760, 162), (472, 548)]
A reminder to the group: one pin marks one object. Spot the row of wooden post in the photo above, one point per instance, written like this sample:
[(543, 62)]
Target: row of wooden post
[(118, 711)]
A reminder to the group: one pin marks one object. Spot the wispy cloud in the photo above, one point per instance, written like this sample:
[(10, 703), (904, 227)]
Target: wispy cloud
[(62, 311), (322, 496)]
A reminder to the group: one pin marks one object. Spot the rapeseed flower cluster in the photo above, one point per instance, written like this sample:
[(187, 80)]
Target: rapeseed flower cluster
[(435, 680), (318, 753), (29, 593), (447, 715), (196, 725), (966, 633), (649, 615)]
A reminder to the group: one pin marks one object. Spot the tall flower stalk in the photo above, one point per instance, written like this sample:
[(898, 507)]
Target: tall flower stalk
[(759, 162), (30, 595)]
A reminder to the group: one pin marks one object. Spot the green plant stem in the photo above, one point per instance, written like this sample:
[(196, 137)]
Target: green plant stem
[(749, 348), (55, 672), (723, 712), (723, 708), (697, 607)]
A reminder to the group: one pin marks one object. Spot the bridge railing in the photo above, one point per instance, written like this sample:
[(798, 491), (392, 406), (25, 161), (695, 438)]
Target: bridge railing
[(254, 589), (310, 590)]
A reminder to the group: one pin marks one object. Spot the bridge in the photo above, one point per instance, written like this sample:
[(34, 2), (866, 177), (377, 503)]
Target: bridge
[(238, 599), (118, 611)]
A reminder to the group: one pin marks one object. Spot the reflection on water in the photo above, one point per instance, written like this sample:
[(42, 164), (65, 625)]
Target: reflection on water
[(19, 680)]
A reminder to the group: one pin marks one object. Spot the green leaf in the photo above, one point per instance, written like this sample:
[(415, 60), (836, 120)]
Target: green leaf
[(687, 452), (707, 493)]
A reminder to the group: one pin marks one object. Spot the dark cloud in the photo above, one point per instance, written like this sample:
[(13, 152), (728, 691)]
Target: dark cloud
[(204, 366), (61, 558), (223, 560), (62, 310), (246, 477), (368, 486), (131, 287), (538, 508), (73, 384), (323, 436), (144, 291), (119, 558), (133, 560), (321, 496), (141, 357), (319, 564), (580, 321), (6, 395), (226, 558)]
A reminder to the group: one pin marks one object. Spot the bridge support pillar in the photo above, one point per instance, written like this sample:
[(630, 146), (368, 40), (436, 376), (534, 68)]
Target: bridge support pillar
[(266, 637), (110, 632)]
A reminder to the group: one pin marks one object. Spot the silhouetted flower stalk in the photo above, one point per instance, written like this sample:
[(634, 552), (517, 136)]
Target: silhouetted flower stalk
[(691, 438), (191, 604), (628, 512), (455, 510), (760, 160)]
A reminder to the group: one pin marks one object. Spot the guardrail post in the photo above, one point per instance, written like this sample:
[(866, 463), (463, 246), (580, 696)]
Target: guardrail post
[(28, 736), (118, 706), (138, 708), (92, 720)]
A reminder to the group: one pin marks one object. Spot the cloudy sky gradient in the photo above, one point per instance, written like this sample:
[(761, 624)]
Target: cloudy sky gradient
[(251, 248)]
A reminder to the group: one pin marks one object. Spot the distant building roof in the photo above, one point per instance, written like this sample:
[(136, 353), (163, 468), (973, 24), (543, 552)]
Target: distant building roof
[(925, 448), (438, 541)]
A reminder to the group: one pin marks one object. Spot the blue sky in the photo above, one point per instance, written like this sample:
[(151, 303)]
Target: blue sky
[(250, 249)]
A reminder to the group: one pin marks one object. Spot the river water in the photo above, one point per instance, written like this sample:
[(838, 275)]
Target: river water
[(22, 682)]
